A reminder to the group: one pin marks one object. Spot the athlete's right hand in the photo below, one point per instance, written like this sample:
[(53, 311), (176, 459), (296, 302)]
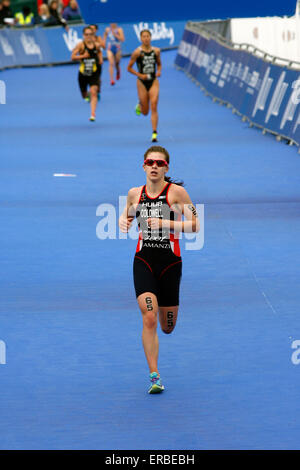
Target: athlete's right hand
[(125, 223), (143, 76)]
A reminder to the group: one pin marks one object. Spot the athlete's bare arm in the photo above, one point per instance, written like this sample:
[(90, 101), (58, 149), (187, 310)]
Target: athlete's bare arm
[(180, 202), (121, 36), (105, 37), (158, 61), (100, 57), (132, 61), (100, 42), (79, 53), (76, 51), (128, 214), (179, 197)]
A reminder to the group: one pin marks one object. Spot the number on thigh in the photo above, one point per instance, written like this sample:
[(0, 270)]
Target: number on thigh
[(168, 318)]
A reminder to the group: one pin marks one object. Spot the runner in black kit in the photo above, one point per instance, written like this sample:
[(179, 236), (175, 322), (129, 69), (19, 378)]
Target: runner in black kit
[(148, 63), (158, 207), (89, 53)]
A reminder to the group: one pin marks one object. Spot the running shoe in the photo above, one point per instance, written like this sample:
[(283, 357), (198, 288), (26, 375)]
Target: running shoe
[(154, 136), (93, 118), (138, 109), (87, 98), (112, 82), (156, 385), (99, 96)]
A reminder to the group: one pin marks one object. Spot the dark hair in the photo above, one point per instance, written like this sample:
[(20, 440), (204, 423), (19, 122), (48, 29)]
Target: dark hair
[(95, 26), (163, 151), (26, 10), (86, 27), (145, 31)]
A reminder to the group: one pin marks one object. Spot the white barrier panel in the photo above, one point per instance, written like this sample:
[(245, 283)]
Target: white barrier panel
[(279, 37)]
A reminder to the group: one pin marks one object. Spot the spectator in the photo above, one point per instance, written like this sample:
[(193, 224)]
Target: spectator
[(44, 18), (71, 12), (53, 9), (25, 17), (5, 12)]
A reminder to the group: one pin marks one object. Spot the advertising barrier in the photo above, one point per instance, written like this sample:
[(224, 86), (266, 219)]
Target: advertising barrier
[(265, 94), (41, 46)]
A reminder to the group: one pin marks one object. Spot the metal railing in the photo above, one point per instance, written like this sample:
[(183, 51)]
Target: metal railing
[(210, 33)]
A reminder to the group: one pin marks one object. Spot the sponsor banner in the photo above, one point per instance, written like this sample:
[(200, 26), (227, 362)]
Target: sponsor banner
[(23, 47), (183, 57), (267, 94), (7, 50), (38, 46)]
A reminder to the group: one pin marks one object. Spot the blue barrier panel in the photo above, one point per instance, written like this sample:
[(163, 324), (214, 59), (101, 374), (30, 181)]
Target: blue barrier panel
[(182, 59), (62, 43), (27, 47), (262, 105), (207, 76), (286, 120), (23, 47), (267, 94), (239, 90), (191, 66), (255, 67), (38, 46), (217, 60), (7, 50), (294, 127)]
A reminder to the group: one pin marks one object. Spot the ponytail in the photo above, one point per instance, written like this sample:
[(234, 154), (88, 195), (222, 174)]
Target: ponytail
[(170, 180)]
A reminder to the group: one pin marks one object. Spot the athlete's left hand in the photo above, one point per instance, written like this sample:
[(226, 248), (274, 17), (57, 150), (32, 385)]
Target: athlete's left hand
[(158, 74), (154, 223)]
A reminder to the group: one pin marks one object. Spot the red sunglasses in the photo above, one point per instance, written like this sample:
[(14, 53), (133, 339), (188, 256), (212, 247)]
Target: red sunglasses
[(159, 163)]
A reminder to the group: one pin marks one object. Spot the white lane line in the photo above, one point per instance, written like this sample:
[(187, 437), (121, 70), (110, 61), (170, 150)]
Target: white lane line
[(67, 175)]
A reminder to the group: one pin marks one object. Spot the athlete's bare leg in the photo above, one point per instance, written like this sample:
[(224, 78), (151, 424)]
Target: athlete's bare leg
[(153, 96), (168, 318), (143, 97), (111, 60), (117, 62), (149, 308), (94, 98)]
